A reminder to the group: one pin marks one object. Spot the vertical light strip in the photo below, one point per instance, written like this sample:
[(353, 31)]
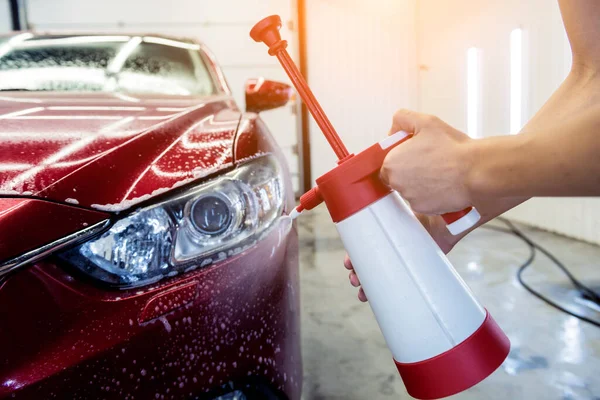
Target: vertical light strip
[(473, 91), (516, 81)]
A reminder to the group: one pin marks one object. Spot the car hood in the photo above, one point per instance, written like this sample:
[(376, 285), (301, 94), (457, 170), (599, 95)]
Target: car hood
[(110, 151)]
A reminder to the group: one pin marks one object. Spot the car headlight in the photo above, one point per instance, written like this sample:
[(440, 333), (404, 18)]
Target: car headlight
[(207, 223)]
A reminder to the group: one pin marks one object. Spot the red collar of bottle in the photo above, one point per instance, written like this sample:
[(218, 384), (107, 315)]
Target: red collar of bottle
[(354, 183)]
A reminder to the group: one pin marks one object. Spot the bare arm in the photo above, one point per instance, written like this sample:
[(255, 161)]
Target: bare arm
[(559, 161), (556, 153), (563, 131)]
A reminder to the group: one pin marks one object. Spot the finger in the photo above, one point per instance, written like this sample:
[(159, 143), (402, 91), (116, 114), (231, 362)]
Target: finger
[(347, 262), (411, 121), (362, 296), (392, 171), (423, 219), (354, 281)]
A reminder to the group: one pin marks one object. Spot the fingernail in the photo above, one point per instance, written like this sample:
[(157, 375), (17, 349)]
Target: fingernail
[(354, 280), (362, 296), (347, 263)]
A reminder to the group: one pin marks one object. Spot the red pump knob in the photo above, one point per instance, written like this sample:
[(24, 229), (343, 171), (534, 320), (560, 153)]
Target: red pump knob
[(267, 31)]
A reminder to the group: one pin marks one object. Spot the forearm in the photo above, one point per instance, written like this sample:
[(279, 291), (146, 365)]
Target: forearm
[(560, 161), (578, 94), (555, 152), (551, 156)]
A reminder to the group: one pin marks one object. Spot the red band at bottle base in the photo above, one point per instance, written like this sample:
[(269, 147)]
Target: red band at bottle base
[(459, 368)]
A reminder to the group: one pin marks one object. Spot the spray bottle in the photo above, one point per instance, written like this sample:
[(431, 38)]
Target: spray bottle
[(442, 340)]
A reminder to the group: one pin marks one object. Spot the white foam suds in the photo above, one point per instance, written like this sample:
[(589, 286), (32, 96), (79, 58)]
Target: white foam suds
[(125, 204), (165, 323), (206, 262), (253, 157)]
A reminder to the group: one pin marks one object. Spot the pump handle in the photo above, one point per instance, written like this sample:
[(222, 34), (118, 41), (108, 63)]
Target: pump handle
[(267, 31)]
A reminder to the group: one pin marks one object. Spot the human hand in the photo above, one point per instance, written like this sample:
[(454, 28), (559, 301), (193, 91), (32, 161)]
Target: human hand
[(431, 170)]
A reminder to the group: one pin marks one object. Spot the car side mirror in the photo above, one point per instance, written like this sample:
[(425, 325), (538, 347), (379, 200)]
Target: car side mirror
[(263, 94)]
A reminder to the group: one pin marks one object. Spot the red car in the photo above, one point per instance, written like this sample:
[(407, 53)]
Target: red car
[(144, 249)]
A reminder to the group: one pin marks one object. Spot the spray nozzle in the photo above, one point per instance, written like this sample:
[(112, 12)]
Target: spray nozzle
[(296, 213), (308, 201)]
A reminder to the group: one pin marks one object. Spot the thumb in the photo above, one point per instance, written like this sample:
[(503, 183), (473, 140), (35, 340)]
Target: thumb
[(411, 121)]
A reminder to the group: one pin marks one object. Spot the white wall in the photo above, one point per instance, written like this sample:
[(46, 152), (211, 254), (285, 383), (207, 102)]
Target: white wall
[(5, 22), (360, 66), (446, 29), (223, 26)]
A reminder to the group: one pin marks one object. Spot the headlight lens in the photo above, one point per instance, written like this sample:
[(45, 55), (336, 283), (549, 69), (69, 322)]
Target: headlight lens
[(211, 214), (207, 223)]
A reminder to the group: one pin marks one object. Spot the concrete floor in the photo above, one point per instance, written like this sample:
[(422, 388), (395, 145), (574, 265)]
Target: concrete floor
[(553, 355)]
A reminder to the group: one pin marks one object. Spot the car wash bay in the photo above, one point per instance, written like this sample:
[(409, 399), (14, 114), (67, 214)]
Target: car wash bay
[(486, 68), (483, 67)]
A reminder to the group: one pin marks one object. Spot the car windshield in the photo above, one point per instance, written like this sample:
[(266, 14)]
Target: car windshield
[(104, 63)]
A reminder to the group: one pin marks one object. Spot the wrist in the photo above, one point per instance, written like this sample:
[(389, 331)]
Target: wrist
[(494, 165), (477, 179)]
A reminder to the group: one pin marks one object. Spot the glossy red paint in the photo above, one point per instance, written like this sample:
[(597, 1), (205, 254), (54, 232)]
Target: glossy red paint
[(26, 224), (65, 336), (99, 149), (262, 94), (169, 300), (9, 204)]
